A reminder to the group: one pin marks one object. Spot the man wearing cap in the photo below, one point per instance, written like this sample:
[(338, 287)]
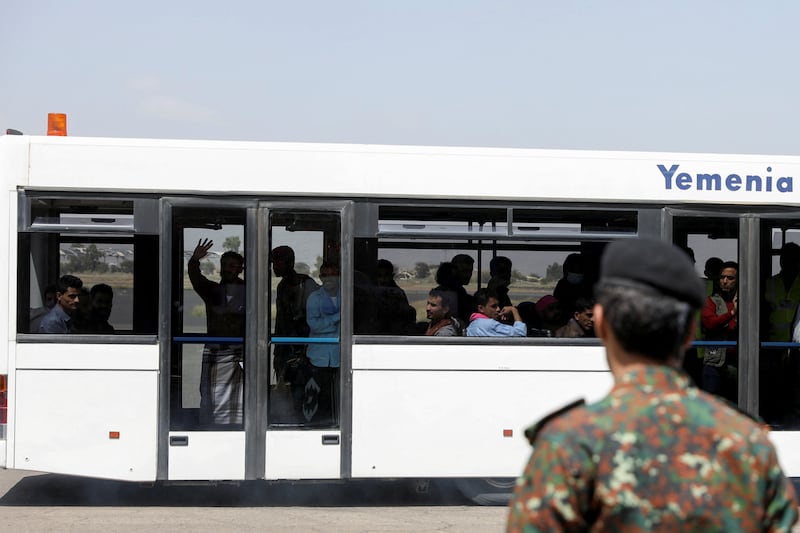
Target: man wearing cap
[(656, 454)]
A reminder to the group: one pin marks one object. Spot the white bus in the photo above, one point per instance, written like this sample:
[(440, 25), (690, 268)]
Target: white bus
[(125, 403)]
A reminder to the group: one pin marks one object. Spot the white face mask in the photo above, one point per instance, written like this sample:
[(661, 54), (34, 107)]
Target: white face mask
[(574, 278)]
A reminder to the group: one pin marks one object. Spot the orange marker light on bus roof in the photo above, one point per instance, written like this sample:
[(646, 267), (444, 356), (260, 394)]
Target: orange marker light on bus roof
[(57, 124), (113, 434)]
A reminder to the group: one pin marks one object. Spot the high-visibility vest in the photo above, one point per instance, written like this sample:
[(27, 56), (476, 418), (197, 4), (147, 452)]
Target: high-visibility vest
[(782, 307)]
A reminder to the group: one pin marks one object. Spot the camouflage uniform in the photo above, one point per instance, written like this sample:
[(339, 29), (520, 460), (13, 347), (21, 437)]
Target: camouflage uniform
[(657, 454)]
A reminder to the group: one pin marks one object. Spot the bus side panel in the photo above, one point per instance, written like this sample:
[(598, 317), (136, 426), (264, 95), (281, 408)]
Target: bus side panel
[(98, 423), (787, 444), (454, 423), (306, 454), (206, 455)]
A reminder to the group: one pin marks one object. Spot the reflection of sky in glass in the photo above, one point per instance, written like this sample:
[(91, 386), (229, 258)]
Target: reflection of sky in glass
[(193, 235), (307, 245), (705, 248)]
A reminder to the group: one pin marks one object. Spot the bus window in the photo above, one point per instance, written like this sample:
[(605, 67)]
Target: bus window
[(713, 243), (208, 326), (94, 244), (454, 249), (779, 363)]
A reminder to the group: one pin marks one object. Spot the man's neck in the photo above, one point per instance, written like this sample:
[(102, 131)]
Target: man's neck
[(621, 362)]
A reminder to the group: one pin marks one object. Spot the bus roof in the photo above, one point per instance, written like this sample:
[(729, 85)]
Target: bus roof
[(386, 171)]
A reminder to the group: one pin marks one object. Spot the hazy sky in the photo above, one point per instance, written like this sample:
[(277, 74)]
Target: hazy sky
[(696, 76)]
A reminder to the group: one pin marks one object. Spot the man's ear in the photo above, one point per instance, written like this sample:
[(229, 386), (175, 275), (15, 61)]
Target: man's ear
[(690, 335)]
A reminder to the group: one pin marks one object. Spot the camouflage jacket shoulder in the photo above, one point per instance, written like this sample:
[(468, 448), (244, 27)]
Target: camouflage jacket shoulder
[(533, 431)]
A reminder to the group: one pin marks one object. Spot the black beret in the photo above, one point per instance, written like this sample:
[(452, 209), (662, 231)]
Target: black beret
[(656, 264)]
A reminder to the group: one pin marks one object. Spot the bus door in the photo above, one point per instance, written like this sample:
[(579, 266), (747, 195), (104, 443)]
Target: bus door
[(209, 346), (304, 270), (715, 361)]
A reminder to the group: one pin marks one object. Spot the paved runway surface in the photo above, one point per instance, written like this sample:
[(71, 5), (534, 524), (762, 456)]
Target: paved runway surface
[(46, 502)]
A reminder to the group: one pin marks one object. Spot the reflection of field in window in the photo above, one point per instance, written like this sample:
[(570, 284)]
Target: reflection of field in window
[(109, 263), (534, 274), (520, 291)]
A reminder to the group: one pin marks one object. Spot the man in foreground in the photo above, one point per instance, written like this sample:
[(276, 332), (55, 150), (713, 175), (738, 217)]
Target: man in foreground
[(656, 454)]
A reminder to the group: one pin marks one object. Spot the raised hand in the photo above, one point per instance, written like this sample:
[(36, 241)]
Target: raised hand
[(203, 246)]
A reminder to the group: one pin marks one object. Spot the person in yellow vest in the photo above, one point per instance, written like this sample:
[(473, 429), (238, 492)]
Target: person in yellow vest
[(782, 295), (781, 369)]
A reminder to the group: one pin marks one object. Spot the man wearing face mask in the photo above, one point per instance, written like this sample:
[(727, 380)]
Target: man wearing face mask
[(573, 285), (323, 316)]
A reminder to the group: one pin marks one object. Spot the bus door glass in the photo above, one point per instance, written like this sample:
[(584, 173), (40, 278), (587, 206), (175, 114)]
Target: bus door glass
[(713, 243), (305, 302), (779, 328), (208, 322)]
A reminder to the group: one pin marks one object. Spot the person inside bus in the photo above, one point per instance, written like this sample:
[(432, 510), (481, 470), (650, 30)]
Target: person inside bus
[(441, 321), (780, 370), (693, 359), (782, 295), (80, 320), (500, 269), (573, 284), (719, 317), (582, 323), (221, 375), (291, 297), (711, 272), (463, 265), (549, 316), (485, 323), (394, 314), (101, 298), (37, 313), (447, 279), (60, 317), (323, 312)]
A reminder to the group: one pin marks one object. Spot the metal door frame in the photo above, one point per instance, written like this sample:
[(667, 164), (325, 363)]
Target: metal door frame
[(165, 312), (255, 466)]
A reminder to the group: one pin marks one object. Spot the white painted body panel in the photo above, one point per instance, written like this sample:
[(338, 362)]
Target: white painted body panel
[(787, 444), (449, 421), (216, 455), (67, 417), (87, 356), (302, 455)]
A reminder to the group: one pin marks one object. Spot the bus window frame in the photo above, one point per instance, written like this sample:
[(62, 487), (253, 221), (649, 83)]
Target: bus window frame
[(144, 214)]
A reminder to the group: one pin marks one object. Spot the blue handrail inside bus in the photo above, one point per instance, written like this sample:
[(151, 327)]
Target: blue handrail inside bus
[(304, 340), (775, 344), (274, 340), (733, 343)]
